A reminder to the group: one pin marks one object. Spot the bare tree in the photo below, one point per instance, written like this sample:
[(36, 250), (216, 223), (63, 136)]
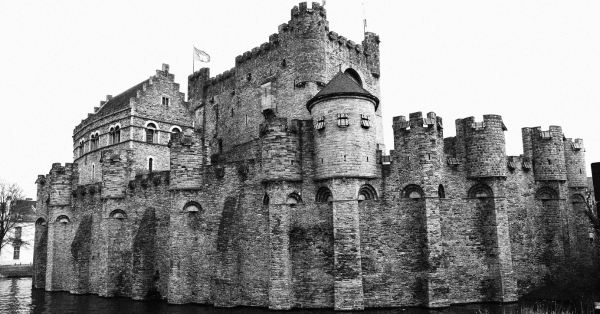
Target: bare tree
[(592, 212), (10, 213)]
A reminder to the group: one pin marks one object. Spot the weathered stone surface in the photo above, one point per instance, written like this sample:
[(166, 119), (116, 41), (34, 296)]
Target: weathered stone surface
[(260, 202)]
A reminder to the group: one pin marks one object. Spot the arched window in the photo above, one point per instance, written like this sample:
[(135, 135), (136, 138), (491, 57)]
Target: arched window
[(266, 200), (117, 135), (192, 207), (441, 191), (480, 190), (118, 214), (94, 142), (80, 148), (546, 193), (40, 222), (367, 192), (175, 131), (354, 76), (111, 135), (63, 219), (577, 199), (412, 191), (150, 164), (324, 195), (151, 133), (293, 199)]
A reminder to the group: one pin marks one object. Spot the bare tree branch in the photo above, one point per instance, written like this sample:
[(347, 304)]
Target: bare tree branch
[(11, 212), (592, 211)]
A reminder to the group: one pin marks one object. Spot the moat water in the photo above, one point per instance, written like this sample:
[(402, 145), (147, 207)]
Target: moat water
[(17, 296)]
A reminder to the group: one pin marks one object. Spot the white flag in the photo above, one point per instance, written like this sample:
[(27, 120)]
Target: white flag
[(201, 55)]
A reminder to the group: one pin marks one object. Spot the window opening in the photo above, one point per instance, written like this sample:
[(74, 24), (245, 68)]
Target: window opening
[(151, 133), (365, 121), (175, 131), (150, 164), (220, 146), (93, 172), (17, 252), (351, 73), (343, 120), (117, 135), (165, 101), (320, 123), (441, 191)]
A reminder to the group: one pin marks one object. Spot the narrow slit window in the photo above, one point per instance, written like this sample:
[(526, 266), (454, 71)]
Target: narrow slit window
[(165, 101), (150, 164)]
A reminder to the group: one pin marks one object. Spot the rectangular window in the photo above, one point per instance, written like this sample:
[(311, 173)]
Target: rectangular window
[(320, 123), (165, 101), (266, 97), (17, 252), (343, 120), (577, 145), (18, 231), (364, 121), (149, 135)]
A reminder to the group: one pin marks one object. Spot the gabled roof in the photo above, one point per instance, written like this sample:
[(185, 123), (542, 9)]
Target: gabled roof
[(341, 85), (121, 101)]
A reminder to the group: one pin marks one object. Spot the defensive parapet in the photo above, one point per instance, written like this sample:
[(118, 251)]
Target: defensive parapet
[(575, 163), (419, 145), (481, 146), (116, 172), (546, 151), (60, 184), (279, 150), (187, 160), (308, 27)]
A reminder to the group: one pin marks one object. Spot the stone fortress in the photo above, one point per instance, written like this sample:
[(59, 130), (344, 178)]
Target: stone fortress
[(270, 187)]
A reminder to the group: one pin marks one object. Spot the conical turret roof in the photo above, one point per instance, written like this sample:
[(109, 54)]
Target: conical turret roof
[(341, 85)]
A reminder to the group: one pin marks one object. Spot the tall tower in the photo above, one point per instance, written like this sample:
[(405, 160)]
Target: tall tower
[(345, 157)]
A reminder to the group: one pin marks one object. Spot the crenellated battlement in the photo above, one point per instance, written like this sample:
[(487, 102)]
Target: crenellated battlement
[(416, 121), (546, 151)]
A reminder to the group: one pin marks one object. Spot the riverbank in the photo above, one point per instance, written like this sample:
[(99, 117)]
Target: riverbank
[(16, 270)]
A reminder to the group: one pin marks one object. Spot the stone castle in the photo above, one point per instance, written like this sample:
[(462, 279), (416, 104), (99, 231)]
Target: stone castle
[(270, 187)]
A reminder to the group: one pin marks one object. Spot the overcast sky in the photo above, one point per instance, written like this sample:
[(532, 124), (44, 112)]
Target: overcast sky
[(536, 63)]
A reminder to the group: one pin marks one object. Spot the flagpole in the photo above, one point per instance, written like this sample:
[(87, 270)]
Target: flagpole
[(364, 20)]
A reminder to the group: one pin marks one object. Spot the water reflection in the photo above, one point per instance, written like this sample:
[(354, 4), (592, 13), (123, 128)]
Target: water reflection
[(16, 296)]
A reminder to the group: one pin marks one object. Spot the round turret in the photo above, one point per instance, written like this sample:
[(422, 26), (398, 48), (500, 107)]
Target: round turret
[(419, 147), (279, 149), (548, 152), (60, 182), (345, 137), (485, 148), (575, 163)]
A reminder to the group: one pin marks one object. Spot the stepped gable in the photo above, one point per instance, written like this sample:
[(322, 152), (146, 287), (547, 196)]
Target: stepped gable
[(341, 85), (121, 101)]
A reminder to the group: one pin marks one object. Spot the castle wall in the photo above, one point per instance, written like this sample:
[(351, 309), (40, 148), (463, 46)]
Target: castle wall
[(239, 209)]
